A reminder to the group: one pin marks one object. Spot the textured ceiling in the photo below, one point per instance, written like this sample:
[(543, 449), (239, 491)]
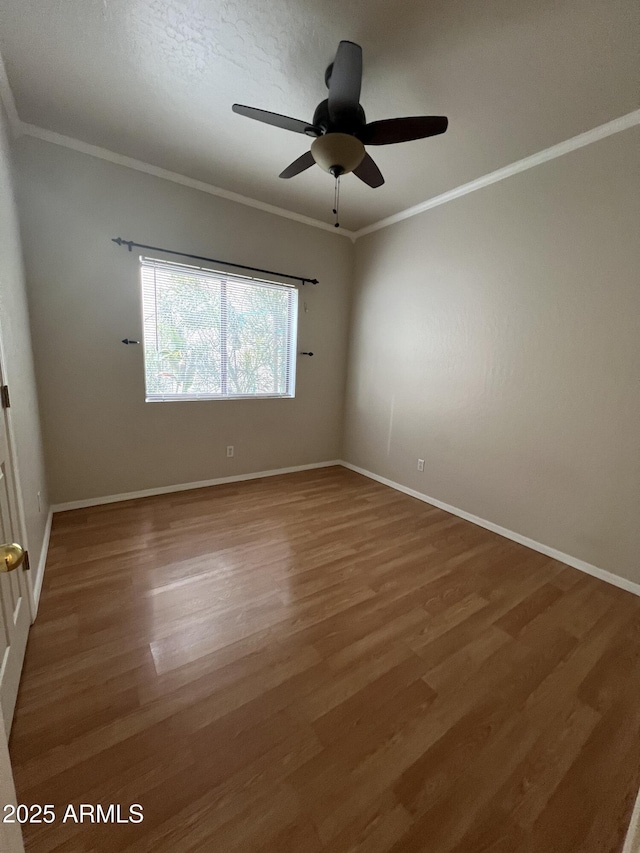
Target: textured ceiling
[(155, 80)]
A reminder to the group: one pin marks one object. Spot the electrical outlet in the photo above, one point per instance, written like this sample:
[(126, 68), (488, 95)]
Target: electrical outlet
[(420, 464), (229, 451)]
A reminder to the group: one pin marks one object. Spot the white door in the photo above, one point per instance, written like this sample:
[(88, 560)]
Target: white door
[(15, 617)]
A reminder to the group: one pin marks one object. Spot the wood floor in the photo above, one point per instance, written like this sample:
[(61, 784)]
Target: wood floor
[(315, 662)]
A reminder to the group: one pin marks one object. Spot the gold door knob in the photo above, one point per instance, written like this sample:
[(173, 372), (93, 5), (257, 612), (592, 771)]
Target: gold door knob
[(11, 557)]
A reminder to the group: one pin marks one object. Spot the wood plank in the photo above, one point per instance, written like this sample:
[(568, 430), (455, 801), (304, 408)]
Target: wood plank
[(315, 663)]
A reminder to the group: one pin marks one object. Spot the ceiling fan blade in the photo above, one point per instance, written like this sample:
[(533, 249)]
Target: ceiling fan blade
[(392, 130), (277, 120), (345, 82), (368, 172), (298, 166)]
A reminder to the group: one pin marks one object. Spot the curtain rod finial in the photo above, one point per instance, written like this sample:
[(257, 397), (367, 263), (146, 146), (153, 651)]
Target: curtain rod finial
[(121, 242)]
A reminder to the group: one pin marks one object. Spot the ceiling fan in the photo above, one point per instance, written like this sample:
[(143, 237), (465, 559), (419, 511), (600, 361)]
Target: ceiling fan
[(340, 127)]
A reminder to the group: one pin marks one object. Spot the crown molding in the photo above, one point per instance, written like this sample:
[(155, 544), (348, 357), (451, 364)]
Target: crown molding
[(559, 150), (130, 163), (19, 128), (590, 136)]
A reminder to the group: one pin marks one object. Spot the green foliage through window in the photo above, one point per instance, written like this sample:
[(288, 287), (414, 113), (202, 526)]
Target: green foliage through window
[(209, 335)]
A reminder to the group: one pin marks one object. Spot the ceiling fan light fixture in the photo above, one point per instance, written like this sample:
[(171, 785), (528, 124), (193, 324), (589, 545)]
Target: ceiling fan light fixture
[(337, 153)]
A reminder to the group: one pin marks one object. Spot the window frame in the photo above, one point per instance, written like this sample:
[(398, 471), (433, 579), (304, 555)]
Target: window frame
[(224, 276)]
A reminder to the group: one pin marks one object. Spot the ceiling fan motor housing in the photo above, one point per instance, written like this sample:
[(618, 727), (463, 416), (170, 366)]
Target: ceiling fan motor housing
[(351, 123)]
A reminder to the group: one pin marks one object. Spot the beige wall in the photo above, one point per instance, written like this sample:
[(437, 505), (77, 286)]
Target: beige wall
[(18, 361), (101, 437), (498, 337)]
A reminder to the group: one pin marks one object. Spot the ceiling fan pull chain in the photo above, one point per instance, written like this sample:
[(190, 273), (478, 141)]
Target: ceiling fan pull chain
[(336, 201)]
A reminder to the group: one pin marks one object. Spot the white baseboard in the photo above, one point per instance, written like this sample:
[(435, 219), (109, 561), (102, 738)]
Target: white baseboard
[(632, 841), (44, 550), (183, 487), (574, 562)]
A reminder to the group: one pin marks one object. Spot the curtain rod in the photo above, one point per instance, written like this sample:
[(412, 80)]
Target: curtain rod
[(130, 244)]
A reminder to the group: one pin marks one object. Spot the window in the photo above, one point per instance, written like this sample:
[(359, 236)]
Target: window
[(209, 335)]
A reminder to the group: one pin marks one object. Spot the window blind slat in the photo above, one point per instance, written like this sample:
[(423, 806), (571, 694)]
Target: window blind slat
[(209, 335)]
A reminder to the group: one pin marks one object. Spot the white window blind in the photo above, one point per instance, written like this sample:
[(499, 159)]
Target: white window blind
[(209, 335)]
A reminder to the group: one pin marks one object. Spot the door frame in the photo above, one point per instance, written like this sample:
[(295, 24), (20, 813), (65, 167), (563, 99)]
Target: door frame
[(17, 488), (11, 834)]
